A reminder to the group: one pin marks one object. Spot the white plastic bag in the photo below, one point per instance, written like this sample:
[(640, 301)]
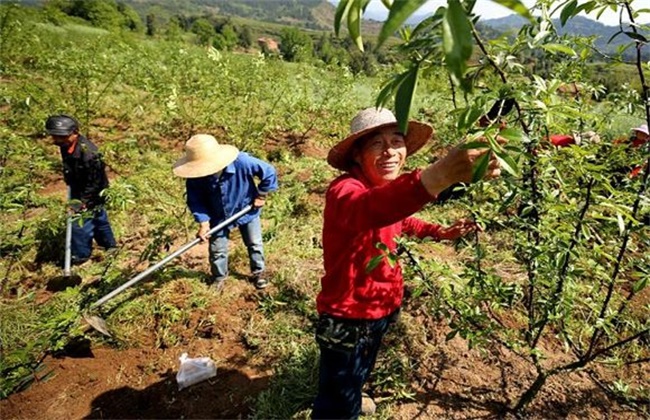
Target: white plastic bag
[(195, 370)]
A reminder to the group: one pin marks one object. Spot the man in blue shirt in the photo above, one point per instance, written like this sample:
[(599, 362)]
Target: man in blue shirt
[(220, 181)]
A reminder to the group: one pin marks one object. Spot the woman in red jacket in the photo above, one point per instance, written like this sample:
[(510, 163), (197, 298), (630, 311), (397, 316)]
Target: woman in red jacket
[(372, 203)]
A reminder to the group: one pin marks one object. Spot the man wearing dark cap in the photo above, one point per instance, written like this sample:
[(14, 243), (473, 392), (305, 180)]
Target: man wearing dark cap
[(85, 174)]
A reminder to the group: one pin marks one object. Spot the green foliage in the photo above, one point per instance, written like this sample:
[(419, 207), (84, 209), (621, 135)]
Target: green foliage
[(139, 102), (103, 14), (245, 36), (131, 19), (292, 388), (566, 207), (204, 31), (295, 45), (151, 24)]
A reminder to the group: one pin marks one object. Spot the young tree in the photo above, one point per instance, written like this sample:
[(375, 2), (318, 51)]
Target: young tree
[(100, 13), (173, 29), (296, 45), (577, 230), (131, 18), (245, 37), (151, 24), (204, 31)]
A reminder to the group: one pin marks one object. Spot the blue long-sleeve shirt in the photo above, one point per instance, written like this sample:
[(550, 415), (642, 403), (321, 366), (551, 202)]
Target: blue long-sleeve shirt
[(214, 198)]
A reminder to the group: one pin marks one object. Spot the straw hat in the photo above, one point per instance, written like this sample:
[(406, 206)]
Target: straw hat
[(203, 157), (367, 121), (643, 129)]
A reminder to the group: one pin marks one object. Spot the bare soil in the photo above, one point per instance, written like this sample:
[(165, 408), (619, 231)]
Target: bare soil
[(102, 381), (452, 381)]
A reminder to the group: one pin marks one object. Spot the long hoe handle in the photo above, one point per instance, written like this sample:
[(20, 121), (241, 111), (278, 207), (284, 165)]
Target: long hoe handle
[(168, 258), (68, 240)]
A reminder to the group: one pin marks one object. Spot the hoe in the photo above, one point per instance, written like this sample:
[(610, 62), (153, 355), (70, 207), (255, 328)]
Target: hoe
[(100, 325), (68, 279)]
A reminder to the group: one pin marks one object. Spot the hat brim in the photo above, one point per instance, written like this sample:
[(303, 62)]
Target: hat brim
[(186, 168), (59, 132), (340, 156)]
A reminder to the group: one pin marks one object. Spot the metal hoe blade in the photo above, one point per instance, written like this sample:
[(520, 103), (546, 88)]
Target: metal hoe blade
[(97, 323)]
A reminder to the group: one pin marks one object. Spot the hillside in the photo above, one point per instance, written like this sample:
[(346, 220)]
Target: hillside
[(578, 26), (307, 14)]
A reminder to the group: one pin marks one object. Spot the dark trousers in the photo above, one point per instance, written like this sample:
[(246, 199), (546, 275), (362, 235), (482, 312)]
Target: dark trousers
[(95, 225), (342, 373)]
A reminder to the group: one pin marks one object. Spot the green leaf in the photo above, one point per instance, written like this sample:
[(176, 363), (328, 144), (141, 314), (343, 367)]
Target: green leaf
[(468, 117), (614, 36), (341, 13), (399, 12), (392, 260), (373, 263), (517, 7), (474, 145), (382, 246), (636, 36), (387, 91), (559, 48), (354, 23), (621, 224), (429, 24), (568, 11), (404, 97), (561, 259), (641, 284), (513, 134), (507, 162), (480, 167), (457, 42)]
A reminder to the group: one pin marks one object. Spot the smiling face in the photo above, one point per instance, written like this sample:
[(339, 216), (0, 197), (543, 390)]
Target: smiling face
[(382, 155)]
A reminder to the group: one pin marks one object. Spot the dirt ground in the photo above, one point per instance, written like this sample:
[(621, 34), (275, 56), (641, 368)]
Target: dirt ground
[(454, 382)]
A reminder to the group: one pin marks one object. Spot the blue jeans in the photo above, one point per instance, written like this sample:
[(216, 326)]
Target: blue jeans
[(95, 225), (251, 234), (342, 373)]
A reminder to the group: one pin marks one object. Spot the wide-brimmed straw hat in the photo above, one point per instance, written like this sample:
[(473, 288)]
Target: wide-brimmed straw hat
[(369, 120), (204, 156), (643, 129)]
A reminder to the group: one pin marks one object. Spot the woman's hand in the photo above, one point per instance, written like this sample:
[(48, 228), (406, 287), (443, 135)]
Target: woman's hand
[(459, 229), (457, 166)]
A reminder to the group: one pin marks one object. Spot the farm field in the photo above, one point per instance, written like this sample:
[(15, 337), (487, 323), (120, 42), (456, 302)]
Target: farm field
[(457, 351)]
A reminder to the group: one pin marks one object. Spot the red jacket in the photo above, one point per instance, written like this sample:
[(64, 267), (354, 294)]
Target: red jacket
[(562, 140), (357, 217)]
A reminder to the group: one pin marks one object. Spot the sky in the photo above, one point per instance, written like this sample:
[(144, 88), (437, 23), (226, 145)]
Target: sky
[(488, 9)]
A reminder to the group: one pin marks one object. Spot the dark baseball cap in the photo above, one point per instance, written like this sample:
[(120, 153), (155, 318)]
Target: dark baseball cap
[(61, 125)]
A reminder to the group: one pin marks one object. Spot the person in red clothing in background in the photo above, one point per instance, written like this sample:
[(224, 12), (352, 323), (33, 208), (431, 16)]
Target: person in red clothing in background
[(640, 136), (372, 203)]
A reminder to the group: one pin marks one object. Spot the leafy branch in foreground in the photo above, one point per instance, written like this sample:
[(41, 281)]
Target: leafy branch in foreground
[(565, 247)]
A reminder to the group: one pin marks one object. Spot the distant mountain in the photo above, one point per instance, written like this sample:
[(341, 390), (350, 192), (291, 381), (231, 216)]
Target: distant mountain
[(310, 14), (577, 26)]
